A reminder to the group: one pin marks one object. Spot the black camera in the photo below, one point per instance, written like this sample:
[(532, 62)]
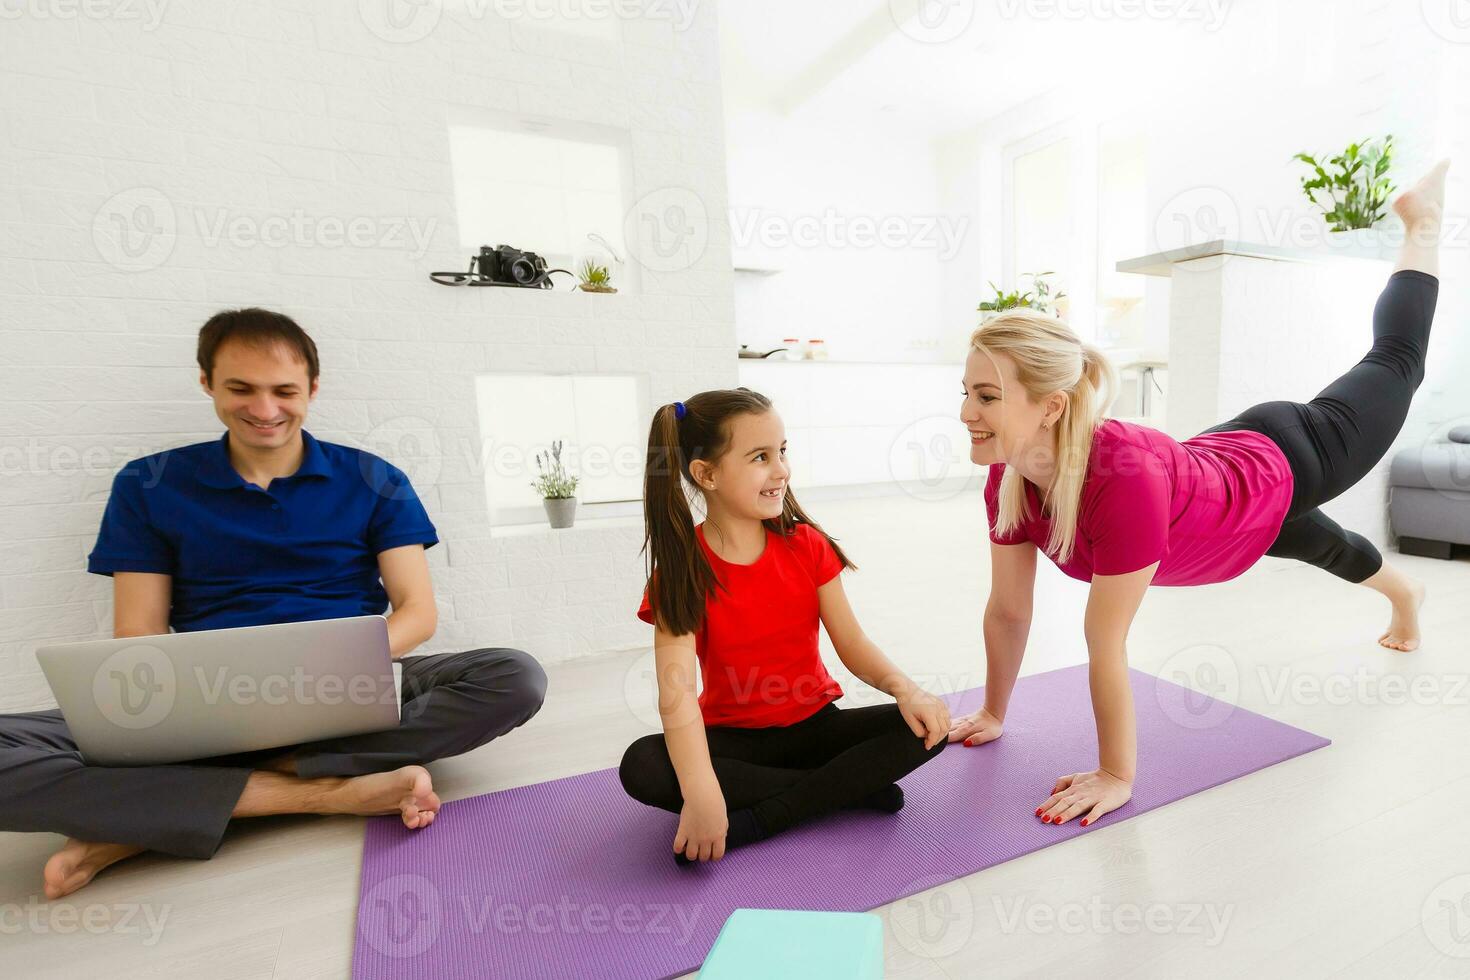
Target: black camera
[(509, 265), (503, 265)]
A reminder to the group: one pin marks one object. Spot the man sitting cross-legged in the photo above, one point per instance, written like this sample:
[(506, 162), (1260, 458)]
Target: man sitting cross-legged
[(264, 525)]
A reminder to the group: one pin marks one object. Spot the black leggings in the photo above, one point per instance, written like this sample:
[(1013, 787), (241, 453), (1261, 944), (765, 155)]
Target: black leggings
[(1335, 439), (792, 773)]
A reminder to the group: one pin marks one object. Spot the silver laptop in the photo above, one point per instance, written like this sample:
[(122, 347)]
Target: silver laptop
[(146, 700)]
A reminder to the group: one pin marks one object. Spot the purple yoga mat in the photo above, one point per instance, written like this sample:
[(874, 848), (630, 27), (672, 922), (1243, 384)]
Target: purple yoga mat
[(572, 878)]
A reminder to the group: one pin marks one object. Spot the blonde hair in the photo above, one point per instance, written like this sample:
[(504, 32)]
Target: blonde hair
[(1050, 357)]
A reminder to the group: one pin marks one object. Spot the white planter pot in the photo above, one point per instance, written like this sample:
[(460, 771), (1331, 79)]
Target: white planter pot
[(1365, 243), (560, 511)]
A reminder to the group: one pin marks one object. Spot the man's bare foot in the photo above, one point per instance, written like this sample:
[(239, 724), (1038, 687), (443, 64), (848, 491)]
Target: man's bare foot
[(409, 791), (1423, 204), (1403, 629), (78, 862)]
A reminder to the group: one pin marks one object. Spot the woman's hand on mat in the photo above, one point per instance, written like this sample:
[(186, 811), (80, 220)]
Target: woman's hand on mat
[(1085, 794), (703, 824), (926, 715), (976, 728)]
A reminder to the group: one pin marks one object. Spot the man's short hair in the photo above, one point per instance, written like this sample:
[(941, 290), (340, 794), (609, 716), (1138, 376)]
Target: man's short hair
[(259, 328)]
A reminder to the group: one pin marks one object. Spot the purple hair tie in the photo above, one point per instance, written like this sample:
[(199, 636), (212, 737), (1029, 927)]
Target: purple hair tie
[(680, 411)]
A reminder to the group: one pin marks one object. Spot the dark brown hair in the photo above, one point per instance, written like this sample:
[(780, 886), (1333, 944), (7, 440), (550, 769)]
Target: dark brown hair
[(680, 579), (259, 328)]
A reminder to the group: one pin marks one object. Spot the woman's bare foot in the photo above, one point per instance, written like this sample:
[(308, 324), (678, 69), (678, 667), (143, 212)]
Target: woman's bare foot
[(1407, 595), (1423, 204), (1403, 629), (409, 791), (78, 862)]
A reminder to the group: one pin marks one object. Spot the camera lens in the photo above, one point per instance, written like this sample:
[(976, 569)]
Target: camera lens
[(523, 271)]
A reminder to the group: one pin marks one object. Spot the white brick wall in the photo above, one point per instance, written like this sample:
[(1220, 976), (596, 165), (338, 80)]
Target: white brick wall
[(251, 111)]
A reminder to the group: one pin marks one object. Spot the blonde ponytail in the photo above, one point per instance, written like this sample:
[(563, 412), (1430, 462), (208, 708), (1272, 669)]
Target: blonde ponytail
[(1050, 357)]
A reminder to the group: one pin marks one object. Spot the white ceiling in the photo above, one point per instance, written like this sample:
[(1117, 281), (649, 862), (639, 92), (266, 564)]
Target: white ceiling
[(855, 61)]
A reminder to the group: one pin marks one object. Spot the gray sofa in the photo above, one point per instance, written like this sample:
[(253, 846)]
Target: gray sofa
[(1429, 496)]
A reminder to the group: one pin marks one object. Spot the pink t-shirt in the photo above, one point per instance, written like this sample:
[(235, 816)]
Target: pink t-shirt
[(1206, 508)]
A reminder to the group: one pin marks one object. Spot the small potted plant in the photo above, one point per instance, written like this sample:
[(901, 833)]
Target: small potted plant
[(1352, 190), (557, 488), (1038, 297), (595, 278)]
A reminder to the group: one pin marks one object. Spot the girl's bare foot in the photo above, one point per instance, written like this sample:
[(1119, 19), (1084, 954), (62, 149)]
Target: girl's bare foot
[(1403, 629), (409, 791), (78, 862), (1422, 206)]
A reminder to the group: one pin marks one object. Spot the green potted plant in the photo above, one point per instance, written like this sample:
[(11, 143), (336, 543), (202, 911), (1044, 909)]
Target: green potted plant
[(594, 278), (557, 488), (1038, 297), (1351, 189)]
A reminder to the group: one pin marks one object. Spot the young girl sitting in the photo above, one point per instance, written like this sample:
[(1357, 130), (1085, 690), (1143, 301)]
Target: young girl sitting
[(764, 747)]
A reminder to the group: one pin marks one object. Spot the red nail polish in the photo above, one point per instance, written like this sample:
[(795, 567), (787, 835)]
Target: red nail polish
[(1046, 819), (1084, 821)]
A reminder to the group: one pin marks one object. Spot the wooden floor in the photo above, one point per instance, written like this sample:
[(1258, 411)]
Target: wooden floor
[(1350, 861)]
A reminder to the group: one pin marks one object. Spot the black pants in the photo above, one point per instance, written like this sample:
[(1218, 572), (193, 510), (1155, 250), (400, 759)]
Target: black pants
[(451, 703), (1335, 439), (792, 773)]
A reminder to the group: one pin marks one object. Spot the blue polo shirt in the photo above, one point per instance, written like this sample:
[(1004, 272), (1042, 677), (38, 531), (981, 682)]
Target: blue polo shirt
[(304, 549)]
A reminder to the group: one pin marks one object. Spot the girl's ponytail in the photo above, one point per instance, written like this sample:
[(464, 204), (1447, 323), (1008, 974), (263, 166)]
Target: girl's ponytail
[(679, 575)]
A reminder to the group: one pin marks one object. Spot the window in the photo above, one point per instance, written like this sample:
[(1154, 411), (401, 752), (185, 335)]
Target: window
[(595, 417), (543, 187), (1041, 216), (1122, 209)]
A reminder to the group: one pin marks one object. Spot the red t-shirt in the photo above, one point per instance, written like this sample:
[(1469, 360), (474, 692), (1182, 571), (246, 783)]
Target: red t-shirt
[(1206, 508), (757, 646)]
